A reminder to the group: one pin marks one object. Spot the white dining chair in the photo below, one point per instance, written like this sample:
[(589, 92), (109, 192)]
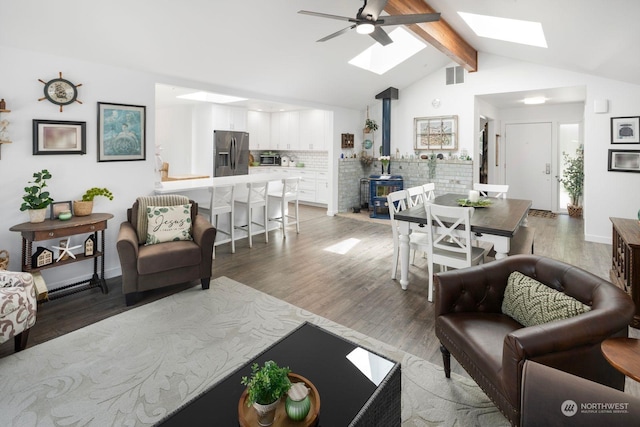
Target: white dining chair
[(492, 190), (450, 236), (397, 202), (429, 191), (289, 193), (415, 196), (222, 202), (257, 197)]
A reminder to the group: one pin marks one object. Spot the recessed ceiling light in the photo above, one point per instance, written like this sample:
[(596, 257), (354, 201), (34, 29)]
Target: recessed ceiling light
[(216, 98), (535, 100), (380, 59), (511, 30)]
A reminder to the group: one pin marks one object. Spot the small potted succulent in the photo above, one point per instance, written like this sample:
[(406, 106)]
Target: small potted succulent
[(36, 199), (84, 207), (265, 387)]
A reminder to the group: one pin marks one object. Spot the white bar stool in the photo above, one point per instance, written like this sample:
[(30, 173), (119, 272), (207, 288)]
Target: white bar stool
[(222, 202), (289, 193), (257, 197)]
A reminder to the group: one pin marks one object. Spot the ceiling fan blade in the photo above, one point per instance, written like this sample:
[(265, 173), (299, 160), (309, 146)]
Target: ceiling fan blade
[(381, 36), (336, 34), (408, 19), (326, 15), (372, 8)]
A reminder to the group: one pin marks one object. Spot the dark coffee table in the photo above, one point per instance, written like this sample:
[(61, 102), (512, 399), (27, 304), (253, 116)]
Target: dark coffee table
[(348, 396)]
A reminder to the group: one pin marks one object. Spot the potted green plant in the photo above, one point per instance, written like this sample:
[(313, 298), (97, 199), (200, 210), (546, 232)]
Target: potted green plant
[(265, 387), (84, 207), (370, 125), (573, 180), (36, 199)]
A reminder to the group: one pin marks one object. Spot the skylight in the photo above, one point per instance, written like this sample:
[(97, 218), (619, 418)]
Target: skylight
[(380, 59), (216, 98), (510, 30)]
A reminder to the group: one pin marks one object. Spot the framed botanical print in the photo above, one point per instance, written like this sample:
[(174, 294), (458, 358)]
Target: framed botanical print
[(121, 132), (436, 133)]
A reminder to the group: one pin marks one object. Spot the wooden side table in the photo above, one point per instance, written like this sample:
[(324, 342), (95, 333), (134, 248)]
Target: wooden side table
[(55, 228), (623, 354)]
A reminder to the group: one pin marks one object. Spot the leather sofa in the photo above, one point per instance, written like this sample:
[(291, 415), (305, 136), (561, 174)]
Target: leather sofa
[(492, 347), (555, 398), (146, 267)]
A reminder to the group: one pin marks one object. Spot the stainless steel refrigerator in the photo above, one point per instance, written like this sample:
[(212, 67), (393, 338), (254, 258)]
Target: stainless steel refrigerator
[(231, 153)]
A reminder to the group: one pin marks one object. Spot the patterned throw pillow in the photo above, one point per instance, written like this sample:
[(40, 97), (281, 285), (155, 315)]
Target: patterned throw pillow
[(530, 302), (168, 223)]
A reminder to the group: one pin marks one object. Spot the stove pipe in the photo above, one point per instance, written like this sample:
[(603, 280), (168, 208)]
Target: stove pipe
[(386, 96)]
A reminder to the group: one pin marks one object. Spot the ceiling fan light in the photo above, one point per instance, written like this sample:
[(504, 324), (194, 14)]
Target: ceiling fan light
[(365, 28)]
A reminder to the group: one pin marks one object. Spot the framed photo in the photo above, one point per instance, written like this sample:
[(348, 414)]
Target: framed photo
[(58, 207), (58, 137), (624, 160), (436, 133), (625, 130), (121, 132)]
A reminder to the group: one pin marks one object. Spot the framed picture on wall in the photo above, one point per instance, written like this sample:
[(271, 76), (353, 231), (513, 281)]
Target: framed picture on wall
[(121, 132), (59, 137), (436, 133), (625, 130), (624, 161)]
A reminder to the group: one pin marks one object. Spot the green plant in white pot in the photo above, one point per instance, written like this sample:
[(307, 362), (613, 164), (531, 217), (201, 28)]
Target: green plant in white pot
[(36, 199), (265, 388), (573, 180)]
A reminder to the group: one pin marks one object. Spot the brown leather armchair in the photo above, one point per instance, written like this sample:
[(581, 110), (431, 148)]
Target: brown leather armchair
[(163, 264), (492, 347), (555, 398)]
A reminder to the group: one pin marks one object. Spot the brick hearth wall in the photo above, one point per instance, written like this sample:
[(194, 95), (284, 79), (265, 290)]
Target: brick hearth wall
[(452, 176)]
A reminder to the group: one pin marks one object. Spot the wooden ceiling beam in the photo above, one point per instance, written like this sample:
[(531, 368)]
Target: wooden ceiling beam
[(438, 34)]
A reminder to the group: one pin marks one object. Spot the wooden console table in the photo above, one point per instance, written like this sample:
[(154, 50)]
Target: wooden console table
[(53, 229), (625, 267)]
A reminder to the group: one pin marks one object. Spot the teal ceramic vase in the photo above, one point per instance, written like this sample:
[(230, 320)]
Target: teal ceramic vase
[(298, 403)]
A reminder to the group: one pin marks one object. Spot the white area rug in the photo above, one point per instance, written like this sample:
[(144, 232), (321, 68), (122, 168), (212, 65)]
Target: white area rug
[(134, 368)]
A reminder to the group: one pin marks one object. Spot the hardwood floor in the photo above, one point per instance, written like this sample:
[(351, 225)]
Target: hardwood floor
[(350, 284)]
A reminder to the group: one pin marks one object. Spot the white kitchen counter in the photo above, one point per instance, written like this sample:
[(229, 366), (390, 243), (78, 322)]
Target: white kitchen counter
[(171, 187)]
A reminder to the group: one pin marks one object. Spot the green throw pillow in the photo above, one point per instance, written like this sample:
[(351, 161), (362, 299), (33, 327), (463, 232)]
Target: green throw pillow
[(168, 223), (532, 303)]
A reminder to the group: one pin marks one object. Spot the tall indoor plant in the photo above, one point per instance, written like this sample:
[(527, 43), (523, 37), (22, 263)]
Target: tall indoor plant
[(36, 199), (265, 388), (573, 180)]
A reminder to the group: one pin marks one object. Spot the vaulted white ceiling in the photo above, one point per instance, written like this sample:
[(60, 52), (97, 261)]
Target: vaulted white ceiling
[(266, 50)]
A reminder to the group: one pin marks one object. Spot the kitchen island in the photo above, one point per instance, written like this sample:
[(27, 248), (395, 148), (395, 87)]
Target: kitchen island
[(198, 190)]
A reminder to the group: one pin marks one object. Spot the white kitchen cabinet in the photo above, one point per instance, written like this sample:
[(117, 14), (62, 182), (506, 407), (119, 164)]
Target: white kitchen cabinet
[(229, 118), (322, 188), (259, 128)]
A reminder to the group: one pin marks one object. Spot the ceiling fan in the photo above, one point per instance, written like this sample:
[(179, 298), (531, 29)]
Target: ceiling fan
[(369, 21)]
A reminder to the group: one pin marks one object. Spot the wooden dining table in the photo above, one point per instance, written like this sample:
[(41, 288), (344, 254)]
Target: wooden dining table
[(496, 223)]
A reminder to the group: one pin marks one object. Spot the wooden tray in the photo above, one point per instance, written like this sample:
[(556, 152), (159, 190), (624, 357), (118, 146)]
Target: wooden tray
[(248, 417)]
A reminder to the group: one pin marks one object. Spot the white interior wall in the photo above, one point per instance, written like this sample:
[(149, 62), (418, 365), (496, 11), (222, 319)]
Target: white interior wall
[(72, 174)]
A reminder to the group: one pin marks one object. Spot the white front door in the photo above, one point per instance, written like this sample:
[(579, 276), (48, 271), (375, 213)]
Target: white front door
[(528, 163)]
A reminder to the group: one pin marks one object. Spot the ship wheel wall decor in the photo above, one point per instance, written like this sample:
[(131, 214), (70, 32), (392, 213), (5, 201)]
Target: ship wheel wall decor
[(60, 91)]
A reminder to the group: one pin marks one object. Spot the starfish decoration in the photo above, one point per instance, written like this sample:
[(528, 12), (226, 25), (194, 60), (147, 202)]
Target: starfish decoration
[(66, 250)]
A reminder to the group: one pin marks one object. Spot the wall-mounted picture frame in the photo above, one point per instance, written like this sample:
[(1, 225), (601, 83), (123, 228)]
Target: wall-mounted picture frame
[(59, 137), (625, 130), (435, 133), (58, 207), (121, 132), (624, 161)]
